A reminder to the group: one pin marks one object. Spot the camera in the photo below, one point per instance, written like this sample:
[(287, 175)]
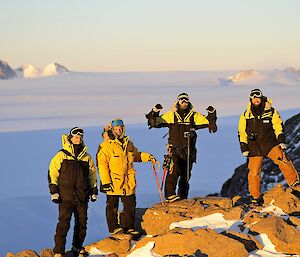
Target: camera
[(253, 136), (189, 133)]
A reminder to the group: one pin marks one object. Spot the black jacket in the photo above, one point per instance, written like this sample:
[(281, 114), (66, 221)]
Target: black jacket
[(260, 132)]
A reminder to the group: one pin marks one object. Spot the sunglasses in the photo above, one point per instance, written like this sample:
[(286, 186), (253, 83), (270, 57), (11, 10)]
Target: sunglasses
[(115, 123), (183, 99), (77, 131), (256, 94)]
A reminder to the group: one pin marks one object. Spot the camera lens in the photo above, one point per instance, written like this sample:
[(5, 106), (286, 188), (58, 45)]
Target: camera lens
[(253, 136)]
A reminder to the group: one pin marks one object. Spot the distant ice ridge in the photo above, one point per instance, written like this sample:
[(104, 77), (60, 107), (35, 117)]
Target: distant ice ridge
[(54, 69), (6, 72), (30, 71), (288, 77), (242, 75)]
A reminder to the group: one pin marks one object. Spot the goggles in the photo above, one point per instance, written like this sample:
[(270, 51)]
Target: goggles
[(116, 123), (76, 131), (183, 99), (255, 93)]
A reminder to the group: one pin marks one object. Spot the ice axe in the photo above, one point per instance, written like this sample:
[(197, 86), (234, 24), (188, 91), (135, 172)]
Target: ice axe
[(157, 182)]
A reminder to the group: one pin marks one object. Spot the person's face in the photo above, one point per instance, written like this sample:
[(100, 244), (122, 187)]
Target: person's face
[(118, 130), (76, 139), (256, 101), (183, 104)]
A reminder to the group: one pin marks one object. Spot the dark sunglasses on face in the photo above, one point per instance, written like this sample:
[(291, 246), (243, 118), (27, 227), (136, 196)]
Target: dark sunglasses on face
[(77, 131), (183, 99), (115, 123), (254, 94)]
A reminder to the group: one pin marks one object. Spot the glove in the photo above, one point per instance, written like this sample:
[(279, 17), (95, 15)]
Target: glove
[(245, 153), (157, 108), (210, 109), (212, 114), (106, 187), (152, 159), (93, 198), (55, 198), (283, 146), (212, 127)]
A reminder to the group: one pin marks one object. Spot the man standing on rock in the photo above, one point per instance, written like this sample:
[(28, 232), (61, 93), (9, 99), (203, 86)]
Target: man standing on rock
[(182, 122), (72, 181), (115, 158), (261, 134)]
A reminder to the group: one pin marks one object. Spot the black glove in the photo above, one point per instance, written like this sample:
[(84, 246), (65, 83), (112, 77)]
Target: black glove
[(56, 198), (93, 198), (157, 108), (212, 127), (106, 188), (212, 113), (151, 116)]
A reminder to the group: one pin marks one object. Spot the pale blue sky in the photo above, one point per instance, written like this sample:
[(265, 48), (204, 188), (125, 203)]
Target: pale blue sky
[(151, 35)]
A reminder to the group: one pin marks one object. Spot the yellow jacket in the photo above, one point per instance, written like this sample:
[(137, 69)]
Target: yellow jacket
[(115, 165), (66, 177)]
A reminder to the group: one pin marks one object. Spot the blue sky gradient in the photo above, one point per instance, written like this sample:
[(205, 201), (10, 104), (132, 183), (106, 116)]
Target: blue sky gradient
[(156, 35)]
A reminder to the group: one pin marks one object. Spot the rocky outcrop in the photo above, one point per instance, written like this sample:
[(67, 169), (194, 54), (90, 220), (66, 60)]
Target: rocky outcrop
[(202, 226), (270, 175), (286, 238), (26, 253), (208, 226), (119, 244)]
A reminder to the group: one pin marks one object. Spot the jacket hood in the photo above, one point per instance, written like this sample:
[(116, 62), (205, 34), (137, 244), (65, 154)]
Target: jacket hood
[(108, 132), (68, 146)]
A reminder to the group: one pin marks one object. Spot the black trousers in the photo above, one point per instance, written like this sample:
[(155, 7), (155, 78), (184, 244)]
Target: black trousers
[(179, 173), (112, 206), (66, 209)]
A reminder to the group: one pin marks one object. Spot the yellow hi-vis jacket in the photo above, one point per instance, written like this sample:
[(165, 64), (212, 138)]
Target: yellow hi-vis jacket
[(115, 165), (71, 176)]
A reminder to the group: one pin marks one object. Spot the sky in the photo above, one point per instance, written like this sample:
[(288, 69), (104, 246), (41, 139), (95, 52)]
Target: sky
[(141, 35)]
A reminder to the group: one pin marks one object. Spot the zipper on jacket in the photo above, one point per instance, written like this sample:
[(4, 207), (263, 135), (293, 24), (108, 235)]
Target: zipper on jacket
[(256, 125)]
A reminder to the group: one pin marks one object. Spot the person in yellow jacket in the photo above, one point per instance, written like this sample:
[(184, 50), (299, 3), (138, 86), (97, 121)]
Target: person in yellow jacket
[(261, 134), (72, 182), (182, 121), (115, 159)]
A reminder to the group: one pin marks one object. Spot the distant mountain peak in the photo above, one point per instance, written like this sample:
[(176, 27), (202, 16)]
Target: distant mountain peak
[(6, 72), (293, 70), (54, 69), (243, 75), (30, 71)]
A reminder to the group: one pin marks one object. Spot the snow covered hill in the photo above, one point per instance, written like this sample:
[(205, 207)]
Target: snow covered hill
[(6, 72), (288, 77), (53, 69), (246, 75), (29, 71)]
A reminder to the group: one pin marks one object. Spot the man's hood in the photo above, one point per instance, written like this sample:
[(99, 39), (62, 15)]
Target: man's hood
[(68, 146)]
